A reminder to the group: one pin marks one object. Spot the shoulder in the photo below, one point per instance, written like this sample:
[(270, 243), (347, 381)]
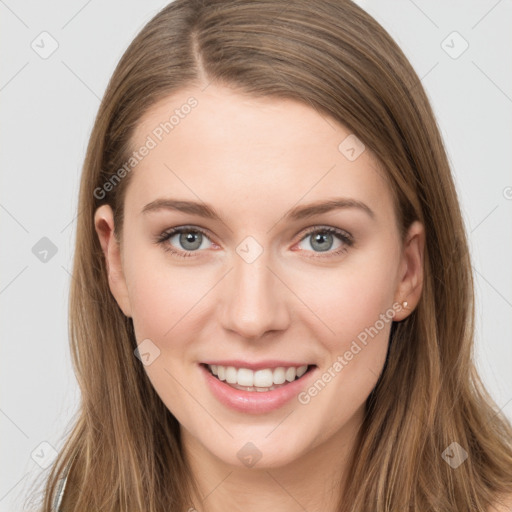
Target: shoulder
[(503, 505)]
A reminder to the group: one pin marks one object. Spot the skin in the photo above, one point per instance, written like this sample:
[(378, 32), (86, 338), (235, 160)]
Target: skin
[(253, 159)]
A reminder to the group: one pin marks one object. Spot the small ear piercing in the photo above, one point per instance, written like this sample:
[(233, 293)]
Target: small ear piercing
[(404, 303)]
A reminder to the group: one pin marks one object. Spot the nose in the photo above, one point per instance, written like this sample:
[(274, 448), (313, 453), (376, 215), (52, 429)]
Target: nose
[(253, 299)]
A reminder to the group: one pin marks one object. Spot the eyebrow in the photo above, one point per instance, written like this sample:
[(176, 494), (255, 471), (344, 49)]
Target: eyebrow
[(297, 213)]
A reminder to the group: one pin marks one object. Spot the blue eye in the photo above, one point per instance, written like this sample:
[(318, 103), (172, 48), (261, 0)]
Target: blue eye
[(191, 239), (325, 237)]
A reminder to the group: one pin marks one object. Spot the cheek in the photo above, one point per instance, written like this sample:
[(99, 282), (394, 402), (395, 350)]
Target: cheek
[(352, 297), (167, 297), (168, 304), (357, 308)]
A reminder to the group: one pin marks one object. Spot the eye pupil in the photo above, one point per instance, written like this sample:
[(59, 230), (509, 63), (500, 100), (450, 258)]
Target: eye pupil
[(190, 237), (321, 239)]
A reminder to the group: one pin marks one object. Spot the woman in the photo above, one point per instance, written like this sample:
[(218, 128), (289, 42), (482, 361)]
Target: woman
[(272, 300)]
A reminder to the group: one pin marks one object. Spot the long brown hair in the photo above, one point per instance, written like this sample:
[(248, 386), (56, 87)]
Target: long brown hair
[(331, 55)]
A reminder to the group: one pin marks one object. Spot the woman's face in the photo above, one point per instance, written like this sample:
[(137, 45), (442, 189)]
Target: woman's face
[(259, 285)]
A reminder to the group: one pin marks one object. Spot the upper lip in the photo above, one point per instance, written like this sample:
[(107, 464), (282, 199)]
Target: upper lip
[(257, 365)]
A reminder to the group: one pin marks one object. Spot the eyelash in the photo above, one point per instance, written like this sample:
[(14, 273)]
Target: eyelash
[(342, 235)]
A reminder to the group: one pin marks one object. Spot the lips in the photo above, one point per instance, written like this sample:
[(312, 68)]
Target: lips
[(256, 399)]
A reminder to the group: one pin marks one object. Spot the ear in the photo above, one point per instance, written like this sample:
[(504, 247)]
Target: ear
[(104, 225), (410, 282)]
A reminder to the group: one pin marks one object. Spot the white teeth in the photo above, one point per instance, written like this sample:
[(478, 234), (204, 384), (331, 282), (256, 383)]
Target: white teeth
[(261, 380), (279, 375), (301, 370), (231, 375), (245, 377), (290, 374)]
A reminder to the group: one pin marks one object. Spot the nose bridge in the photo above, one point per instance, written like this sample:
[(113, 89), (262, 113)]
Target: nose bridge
[(253, 302)]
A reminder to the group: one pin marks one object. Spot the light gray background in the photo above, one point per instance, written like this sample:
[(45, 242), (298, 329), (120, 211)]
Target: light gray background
[(48, 107)]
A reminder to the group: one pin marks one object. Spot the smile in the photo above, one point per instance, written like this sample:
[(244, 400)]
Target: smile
[(265, 387), (265, 379)]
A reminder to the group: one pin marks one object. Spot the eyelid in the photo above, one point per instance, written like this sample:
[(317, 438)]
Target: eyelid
[(344, 236), (170, 232), (185, 227), (330, 229), (346, 239)]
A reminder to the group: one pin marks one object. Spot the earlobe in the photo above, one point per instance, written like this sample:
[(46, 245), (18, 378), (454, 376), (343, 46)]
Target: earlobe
[(410, 284), (104, 225)]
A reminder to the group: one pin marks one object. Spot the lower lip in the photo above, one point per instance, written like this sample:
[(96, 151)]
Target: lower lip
[(255, 402)]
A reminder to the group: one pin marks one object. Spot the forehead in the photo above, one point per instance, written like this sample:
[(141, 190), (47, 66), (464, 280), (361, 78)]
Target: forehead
[(229, 149)]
